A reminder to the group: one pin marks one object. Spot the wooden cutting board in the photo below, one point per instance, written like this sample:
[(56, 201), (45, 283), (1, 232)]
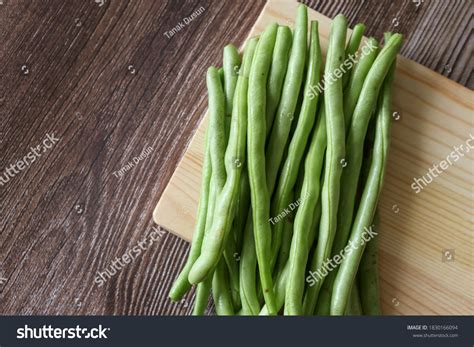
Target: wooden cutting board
[(426, 238)]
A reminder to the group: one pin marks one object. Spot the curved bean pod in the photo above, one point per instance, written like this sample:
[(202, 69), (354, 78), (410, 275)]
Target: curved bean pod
[(351, 49), (356, 137), (309, 196), (231, 254), (248, 271), (284, 251), (231, 65), (309, 300), (244, 189), (203, 289), (354, 145), (335, 146), (280, 289), (357, 78), (248, 266), (231, 68), (182, 285), (242, 210), (282, 276), (230, 259), (355, 307), (289, 172), (221, 291), (256, 159), (365, 213), (289, 98), (203, 223), (368, 275), (353, 89), (368, 278), (227, 189), (226, 203), (276, 76)]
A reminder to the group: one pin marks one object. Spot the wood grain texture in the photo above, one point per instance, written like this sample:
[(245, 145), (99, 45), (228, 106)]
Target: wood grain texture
[(80, 87)]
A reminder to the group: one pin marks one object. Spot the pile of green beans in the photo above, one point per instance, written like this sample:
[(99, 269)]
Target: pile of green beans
[(294, 163)]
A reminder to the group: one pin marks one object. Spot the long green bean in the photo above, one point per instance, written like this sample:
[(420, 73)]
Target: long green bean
[(309, 196), (368, 275), (280, 289), (227, 200), (256, 160), (231, 65), (355, 307), (241, 212), (311, 292), (247, 258), (354, 145), (335, 145), (289, 172), (352, 92), (365, 213), (204, 219), (311, 295), (244, 189), (357, 78), (230, 259), (209, 257), (234, 157), (284, 251), (217, 140), (282, 275), (248, 271), (289, 98), (355, 141), (221, 290), (351, 49), (276, 76), (357, 132), (182, 285), (203, 289)]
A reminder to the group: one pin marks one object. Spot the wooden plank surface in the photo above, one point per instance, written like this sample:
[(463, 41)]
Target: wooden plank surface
[(80, 86)]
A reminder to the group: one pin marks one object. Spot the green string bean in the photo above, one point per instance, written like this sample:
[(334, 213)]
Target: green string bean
[(289, 98), (289, 172), (365, 213), (256, 160)]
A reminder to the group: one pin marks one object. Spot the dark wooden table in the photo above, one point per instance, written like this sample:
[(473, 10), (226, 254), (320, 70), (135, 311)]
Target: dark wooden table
[(108, 83)]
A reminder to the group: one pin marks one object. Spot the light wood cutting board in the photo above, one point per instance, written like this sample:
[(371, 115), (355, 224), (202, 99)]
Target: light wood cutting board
[(426, 238)]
